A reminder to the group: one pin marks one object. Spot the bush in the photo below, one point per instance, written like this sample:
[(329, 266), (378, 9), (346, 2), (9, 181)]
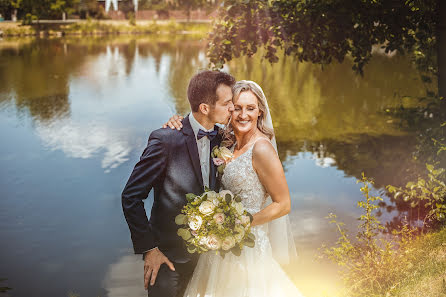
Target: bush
[(371, 264), (431, 193)]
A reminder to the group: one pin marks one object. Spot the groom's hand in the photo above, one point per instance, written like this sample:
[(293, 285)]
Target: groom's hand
[(174, 122), (153, 260)]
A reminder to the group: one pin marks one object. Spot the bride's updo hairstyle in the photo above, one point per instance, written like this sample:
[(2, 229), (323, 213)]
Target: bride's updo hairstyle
[(237, 89)]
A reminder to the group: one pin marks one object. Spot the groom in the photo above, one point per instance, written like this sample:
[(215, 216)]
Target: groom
[(175, 163)]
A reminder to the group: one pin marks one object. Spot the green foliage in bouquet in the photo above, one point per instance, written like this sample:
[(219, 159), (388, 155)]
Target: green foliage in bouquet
[(215, 221)]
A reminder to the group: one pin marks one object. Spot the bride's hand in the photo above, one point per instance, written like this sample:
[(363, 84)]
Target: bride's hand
[(174, 122)]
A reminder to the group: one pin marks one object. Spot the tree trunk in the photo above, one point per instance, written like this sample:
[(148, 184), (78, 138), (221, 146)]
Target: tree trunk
[(441, 49)]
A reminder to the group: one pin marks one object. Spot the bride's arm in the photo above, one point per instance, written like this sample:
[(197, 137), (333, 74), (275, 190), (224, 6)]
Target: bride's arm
[(270, 172)]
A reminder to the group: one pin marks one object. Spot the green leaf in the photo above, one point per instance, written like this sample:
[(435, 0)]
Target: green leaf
[(186, 235), (190, 196), (238, 199), (191, 249), (228, 198), (181, 219), (180, 231), (249, 243), (236, 251), (429, 167)]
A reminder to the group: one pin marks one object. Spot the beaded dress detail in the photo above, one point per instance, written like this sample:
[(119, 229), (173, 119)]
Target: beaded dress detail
[(240, 178), (254, 273)]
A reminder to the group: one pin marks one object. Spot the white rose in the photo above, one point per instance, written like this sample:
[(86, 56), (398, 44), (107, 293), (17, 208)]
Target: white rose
[(228, 243), (195, 223), (245, 220), (238, 207), (211, 195), (203, 241), (206, 207), (224, 192), (213, 242), (219, 218)]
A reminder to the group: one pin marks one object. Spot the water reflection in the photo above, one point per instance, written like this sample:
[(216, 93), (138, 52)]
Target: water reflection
[(77, 113), (84, 140)]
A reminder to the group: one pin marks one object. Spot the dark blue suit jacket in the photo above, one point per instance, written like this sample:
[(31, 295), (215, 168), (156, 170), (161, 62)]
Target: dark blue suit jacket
[(171, 166)]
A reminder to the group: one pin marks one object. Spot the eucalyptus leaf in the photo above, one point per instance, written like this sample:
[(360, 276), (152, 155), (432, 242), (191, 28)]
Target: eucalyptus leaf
[(251, 218), (249, 243), (228, 198), (181, 219), (190, 196), (186, 234), (236, 250)]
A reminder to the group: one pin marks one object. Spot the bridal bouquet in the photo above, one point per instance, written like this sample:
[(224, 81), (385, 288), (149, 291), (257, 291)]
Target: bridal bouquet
[(215, 221)]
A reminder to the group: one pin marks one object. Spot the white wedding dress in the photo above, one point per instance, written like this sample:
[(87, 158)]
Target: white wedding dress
[(254, 273)]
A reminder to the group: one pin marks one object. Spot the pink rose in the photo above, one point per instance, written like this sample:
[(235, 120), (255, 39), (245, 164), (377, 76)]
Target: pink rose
[(218, 161), (219, 218)]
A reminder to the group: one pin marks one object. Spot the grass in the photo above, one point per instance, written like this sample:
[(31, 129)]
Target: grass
[(107, 27), (426, 273)]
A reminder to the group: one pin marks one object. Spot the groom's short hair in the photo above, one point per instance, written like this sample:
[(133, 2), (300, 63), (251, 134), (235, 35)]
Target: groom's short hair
[(203, 87)]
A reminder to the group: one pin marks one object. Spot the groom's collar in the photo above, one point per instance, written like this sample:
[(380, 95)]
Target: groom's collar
[(196, 126), (187, 128)]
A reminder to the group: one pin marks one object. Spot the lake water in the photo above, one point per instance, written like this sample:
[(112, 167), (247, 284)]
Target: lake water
[(75, 115)]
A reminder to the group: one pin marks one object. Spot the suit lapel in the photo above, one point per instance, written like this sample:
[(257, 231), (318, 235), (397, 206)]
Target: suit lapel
[(192, 149)]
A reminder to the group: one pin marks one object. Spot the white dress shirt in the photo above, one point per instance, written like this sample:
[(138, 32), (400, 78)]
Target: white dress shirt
[(204, 149)]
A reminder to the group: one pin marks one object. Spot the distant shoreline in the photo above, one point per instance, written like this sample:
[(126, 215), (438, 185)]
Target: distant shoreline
[(44, 28)]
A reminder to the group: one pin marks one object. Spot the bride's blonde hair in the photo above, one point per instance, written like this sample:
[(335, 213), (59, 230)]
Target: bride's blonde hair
[(237, 89)]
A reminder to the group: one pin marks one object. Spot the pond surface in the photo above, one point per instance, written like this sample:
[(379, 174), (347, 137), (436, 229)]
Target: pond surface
[(75, 115)]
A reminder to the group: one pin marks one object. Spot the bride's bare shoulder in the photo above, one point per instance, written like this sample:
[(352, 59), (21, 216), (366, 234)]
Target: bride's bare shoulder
[(263, 149)]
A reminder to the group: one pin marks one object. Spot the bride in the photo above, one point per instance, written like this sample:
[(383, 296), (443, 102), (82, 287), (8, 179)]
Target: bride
[(256, 173)]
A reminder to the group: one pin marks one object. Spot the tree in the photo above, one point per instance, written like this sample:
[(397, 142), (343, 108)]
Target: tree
[(6, 8), (86, 8), (188, 5), (62, 7), (44, 9), (321, 31)]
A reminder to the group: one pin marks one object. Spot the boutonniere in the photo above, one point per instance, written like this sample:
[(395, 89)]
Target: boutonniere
[(221, 156)]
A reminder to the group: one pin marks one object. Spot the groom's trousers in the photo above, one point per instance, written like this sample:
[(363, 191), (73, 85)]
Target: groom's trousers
[(172, 283)]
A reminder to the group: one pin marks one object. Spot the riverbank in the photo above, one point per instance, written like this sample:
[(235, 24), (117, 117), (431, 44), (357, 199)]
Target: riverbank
[(103, 27), (425, 274)]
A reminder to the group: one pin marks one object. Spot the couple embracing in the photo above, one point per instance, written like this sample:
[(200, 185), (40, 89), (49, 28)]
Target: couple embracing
[(178, 161)]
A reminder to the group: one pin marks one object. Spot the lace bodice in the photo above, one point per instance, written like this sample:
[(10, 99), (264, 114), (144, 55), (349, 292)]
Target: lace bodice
[(240, 178)]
